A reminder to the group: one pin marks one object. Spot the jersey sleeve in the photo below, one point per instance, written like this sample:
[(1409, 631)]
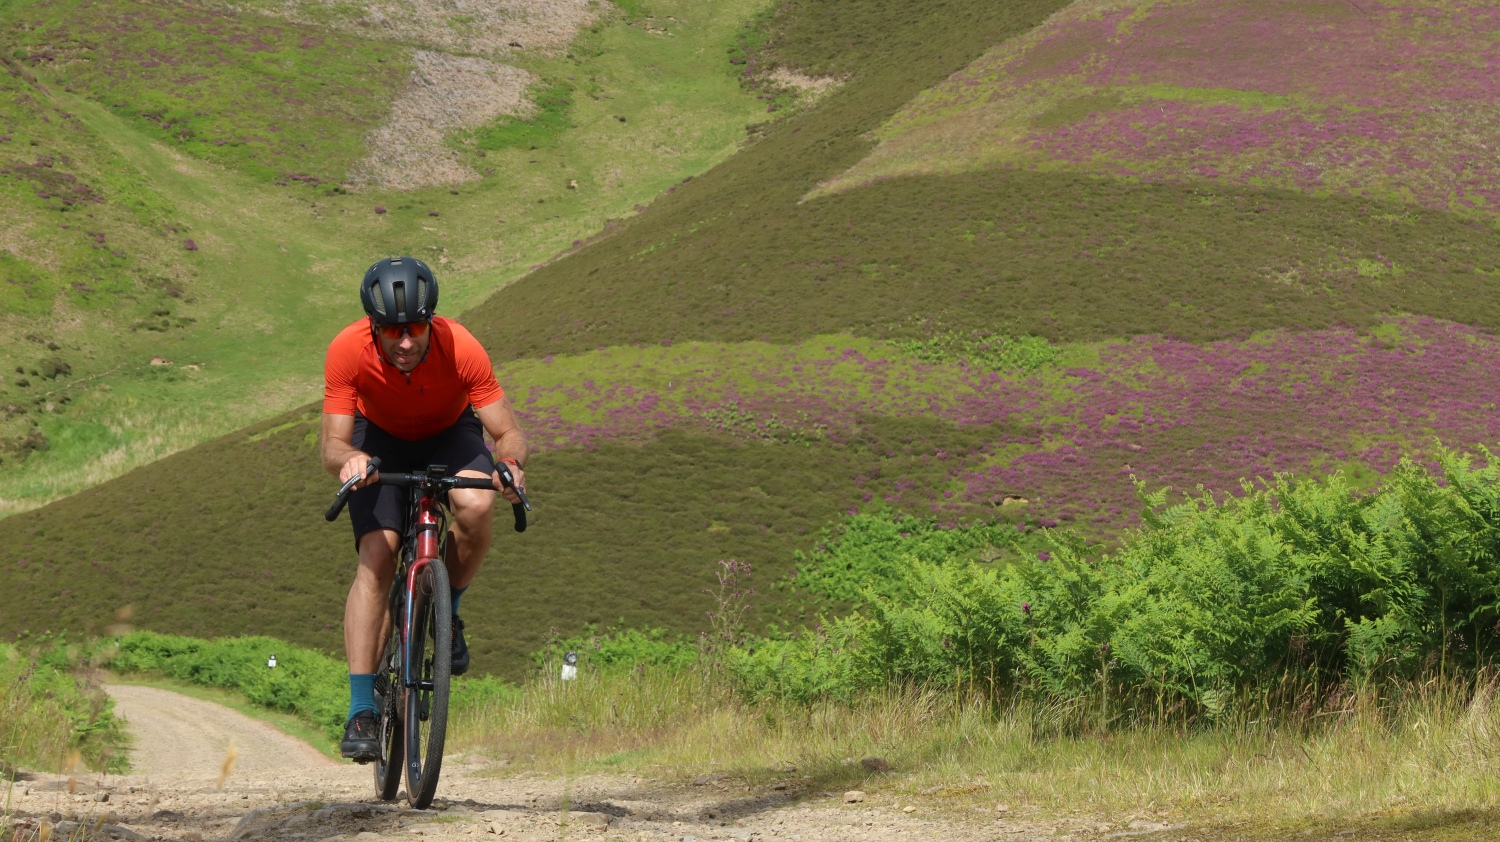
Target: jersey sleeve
[(474, 368), (340, 376)]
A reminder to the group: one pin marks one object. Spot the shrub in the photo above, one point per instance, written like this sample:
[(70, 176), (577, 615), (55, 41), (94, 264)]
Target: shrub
[(620, 649), (1212, 599), (868, 552), (995, 352)]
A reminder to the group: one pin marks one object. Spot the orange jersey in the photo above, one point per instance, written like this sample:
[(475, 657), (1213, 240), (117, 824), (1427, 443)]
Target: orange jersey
[(455, 374)]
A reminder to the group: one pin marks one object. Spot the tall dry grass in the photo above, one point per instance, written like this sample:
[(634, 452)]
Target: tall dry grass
[(1422, 746), (51, 719)]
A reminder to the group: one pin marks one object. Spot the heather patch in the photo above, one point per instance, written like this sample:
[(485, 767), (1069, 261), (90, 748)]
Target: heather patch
[(1070, 439), (1388, 98)]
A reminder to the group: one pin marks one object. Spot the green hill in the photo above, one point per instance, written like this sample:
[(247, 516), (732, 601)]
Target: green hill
[(871, 305), (203, 184)]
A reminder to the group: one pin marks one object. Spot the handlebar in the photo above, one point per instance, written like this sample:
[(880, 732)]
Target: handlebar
[(344, 490), (438, 484)]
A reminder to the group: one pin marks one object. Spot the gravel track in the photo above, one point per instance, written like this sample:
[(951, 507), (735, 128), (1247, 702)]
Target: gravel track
[(281, 789), (178, 736)]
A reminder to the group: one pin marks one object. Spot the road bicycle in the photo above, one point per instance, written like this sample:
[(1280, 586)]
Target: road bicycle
[(411, 679)]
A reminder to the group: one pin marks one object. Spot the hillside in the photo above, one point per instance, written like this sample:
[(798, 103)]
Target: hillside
[(203, 183), (876, 304)]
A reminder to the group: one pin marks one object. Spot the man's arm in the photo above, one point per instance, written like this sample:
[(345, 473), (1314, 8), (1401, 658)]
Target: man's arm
[(499, 421), (340, 456)]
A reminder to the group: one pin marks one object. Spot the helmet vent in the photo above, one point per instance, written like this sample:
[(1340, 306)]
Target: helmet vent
[(379, 299), (421, 297), (399, 288)]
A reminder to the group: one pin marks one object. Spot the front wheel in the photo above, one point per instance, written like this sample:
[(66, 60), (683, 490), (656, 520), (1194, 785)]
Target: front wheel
[(387, 699), (430, 659)]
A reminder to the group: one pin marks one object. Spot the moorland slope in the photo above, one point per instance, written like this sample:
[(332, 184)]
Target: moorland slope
[(797, 334)]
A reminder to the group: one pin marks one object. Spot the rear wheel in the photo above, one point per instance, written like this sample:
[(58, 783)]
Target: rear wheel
[(426, 696), (387, 699)]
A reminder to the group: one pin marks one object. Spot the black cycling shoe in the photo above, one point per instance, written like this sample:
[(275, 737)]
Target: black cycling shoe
[(361, 738), (460, 648)]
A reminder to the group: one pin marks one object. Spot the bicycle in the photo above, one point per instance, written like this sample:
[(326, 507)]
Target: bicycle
[(411, 679)]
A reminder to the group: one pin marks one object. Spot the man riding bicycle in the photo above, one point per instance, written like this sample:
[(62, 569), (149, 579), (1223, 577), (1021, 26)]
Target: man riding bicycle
[(412, 389)]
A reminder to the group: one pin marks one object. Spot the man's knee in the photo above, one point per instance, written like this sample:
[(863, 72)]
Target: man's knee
[(377, 556), (472, 507)]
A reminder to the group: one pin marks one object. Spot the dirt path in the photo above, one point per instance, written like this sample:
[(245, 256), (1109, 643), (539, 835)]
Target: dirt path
[(177, 736), (281, 789)]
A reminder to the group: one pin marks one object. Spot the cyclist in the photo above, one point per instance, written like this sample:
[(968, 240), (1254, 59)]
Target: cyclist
[(413, 389)]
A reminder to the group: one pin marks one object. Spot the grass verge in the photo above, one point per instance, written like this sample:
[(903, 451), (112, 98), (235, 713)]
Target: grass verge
[(1413, 756), (53, 718)]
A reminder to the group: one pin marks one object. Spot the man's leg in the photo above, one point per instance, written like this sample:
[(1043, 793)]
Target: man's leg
[(473, 525), (366, 618), (366, 625)]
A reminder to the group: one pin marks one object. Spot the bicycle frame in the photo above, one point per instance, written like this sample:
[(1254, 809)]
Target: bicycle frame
[(425, 545)]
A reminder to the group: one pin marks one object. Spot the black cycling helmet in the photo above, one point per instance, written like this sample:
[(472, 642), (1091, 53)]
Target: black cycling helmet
[(398, 291)]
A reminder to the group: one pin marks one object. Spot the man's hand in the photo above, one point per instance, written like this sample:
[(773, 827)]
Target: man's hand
[(356, 466), (516, 474)]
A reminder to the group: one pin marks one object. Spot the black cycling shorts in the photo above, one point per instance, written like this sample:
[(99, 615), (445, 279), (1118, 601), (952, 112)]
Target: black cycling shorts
[(461, 447)]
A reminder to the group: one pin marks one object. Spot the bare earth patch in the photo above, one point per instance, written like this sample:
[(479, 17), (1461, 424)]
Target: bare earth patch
[(810, 88), (444, 94)]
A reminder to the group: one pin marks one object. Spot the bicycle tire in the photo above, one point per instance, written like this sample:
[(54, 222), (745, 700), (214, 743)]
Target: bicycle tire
[(426, 710), (387, 696)]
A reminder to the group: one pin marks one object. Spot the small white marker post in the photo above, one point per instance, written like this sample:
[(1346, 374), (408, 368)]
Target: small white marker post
[(570, 666), (271, 664)]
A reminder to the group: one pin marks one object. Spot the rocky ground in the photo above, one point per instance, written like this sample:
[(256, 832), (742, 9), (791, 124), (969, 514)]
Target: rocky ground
[(191, 785)]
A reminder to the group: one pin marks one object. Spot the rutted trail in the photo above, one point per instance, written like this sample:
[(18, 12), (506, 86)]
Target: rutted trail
[(279, 788)]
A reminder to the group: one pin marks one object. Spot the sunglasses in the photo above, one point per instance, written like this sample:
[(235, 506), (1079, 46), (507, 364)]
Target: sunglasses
[(416, 329)]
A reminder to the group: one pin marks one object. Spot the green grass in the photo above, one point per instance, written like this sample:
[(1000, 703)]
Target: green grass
[(256, 93), (554, 105)]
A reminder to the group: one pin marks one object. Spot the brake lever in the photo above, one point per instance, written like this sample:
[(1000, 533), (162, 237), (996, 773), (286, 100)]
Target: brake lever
[(344, 490), (509, 481)]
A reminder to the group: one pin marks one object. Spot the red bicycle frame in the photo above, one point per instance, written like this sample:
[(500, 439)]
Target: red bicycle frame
[(429, 523)]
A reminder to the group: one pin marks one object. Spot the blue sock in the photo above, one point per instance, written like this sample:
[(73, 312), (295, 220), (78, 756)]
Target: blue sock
[(362, 693), (457, 595)]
